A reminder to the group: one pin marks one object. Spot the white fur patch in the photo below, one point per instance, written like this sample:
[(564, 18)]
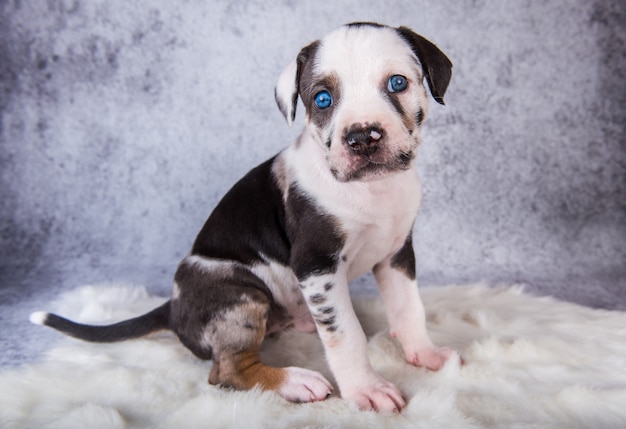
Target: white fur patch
[(542, 362), (303, 385), (281, 281), (286, 88), (209, 265), (38, 317), (175, 291)]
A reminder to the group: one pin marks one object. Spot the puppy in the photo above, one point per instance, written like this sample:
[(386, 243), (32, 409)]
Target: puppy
[(281, 247)]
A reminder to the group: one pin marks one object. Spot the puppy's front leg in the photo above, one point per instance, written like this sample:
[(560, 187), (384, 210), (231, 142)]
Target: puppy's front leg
[(405, 312), (345, 344)]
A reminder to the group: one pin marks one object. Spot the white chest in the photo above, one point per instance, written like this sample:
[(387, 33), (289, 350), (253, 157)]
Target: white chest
[(379, 227)]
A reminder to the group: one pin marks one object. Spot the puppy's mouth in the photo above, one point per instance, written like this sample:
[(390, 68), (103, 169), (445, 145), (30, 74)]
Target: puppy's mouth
[(371, 167)]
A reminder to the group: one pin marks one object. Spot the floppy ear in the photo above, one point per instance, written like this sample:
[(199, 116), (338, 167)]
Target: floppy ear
[(288, 85), (437, 66), (286, 92)]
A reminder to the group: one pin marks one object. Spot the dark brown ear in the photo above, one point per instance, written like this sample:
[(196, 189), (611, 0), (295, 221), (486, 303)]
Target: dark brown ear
[(437, 66)]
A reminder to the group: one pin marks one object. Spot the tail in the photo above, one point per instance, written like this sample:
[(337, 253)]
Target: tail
[(155, 320)]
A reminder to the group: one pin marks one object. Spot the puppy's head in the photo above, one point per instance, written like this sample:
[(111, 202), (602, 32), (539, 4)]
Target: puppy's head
[(362, 87)]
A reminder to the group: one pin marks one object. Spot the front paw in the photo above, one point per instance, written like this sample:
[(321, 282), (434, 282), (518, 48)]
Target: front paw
[(432, 357), (376, 395), (303, 385)]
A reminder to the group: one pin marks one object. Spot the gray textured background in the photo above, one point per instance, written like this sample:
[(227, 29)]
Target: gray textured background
[(122, 124)]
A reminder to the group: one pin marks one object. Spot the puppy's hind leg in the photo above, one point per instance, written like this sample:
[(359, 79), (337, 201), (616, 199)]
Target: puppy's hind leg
[(236, 335)]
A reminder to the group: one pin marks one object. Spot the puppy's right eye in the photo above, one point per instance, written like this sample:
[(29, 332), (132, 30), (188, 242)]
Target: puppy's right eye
[(397, 83), (323, 99)]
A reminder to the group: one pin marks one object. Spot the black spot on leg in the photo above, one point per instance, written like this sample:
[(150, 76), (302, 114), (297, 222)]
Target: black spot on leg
[(326, 319), (329, 321), (404, 259), (327, 310), (317, 298), (328, 286)]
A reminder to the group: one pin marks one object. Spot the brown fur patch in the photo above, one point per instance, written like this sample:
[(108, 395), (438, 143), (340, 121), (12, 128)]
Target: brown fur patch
[(237, 363), (244, 370)]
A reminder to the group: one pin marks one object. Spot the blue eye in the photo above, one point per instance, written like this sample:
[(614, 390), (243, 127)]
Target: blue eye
[(323, 99), (397, 83)]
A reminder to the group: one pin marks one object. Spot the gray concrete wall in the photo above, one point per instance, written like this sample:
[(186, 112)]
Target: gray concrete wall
[(122, 124)]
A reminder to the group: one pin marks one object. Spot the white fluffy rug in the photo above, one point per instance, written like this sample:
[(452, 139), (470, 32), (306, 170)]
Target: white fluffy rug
[(529, 363)]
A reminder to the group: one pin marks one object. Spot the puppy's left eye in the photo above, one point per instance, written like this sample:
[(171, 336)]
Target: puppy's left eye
[(397, 83), (323, 100)]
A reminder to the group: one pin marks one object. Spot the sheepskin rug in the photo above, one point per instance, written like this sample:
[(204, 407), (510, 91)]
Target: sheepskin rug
[(528, 363)]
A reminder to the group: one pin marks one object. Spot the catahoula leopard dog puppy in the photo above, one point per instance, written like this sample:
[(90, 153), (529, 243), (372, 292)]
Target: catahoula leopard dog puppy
[(280, 248)]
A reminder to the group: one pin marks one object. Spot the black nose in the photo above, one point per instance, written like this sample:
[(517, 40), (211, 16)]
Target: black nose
[(364, 140)]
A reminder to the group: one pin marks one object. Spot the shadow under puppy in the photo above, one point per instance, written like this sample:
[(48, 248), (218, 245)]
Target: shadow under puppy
[(280, 248)]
